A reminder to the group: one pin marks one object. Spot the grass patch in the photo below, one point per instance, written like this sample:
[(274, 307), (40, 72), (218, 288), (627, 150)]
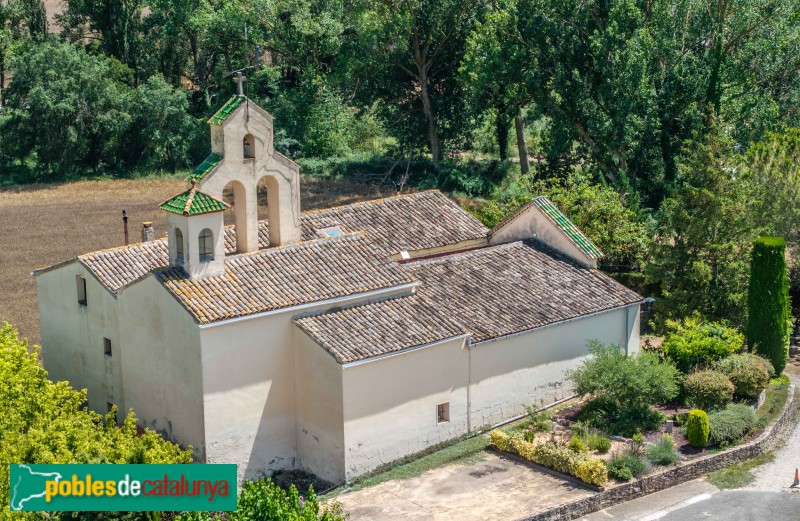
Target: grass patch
[(776, 396), (739, 474), (470, 450)]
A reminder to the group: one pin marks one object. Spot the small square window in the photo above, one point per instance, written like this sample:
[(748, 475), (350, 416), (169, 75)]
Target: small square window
[(81, 290), (443, 412), (107, 346)]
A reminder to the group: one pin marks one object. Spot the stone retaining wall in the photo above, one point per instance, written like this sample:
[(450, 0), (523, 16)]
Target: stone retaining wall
[(675, 475)]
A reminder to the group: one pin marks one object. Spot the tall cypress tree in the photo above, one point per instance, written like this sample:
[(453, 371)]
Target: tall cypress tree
[(768, 301)]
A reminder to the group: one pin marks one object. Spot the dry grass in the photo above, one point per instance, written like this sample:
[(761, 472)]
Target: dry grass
[(41, 225)]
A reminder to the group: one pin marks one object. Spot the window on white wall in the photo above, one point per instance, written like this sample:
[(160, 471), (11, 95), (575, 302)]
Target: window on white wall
[(443, 412), (206, 241), (179, 244), (81, 290), (107, 346)]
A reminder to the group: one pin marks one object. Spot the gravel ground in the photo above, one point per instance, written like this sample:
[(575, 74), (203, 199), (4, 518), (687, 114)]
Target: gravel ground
[(779, 473)]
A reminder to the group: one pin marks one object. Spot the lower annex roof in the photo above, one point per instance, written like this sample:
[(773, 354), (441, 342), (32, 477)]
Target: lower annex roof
[(490, 293)]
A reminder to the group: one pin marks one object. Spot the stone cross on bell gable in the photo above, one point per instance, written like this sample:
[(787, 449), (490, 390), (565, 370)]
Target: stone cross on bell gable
[(240, 79)]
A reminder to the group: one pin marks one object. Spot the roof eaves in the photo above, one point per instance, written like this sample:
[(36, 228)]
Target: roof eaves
[(220, 116)]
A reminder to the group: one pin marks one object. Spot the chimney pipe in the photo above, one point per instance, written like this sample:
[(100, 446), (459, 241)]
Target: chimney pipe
[(148, 234), (125, 225)]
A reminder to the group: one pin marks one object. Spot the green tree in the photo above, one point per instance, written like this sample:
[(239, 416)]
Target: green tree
[(624, 387), (600, 211), (494, 68), (410, 53), (113, 26), (703, 235), (632, 81), (768, 301), (66, 109), (46, 422), (160, 127)]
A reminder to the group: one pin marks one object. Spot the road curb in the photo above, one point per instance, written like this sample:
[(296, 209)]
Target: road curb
[(675, 475)]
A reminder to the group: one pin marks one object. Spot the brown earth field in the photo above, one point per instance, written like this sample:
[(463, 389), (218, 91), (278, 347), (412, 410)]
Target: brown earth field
[(41, 225)]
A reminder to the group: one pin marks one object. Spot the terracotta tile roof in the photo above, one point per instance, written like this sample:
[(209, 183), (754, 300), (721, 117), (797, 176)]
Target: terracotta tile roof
[(490, 292), (193, 202), (116, 267), (227, 109), (365, 331), (205, 167), (407, 222), (287, 276)]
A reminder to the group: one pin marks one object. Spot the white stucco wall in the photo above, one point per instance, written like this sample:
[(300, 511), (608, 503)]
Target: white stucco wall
[(72, 335), (528, 369), (532, 223), (248, 389), (390, 404), (320, 424), (162, 367)]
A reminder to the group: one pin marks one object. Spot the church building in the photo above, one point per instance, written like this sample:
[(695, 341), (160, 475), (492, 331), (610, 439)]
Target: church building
[(333, 341)]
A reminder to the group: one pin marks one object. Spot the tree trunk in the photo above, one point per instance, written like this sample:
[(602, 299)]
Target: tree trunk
[(502, 135), (433, 129), (522, 146)]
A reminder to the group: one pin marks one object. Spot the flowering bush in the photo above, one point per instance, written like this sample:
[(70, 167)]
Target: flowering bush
[(592, 471), (500, 439)]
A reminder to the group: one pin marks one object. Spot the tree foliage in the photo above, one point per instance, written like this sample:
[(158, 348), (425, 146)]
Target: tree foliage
[(768, 301), (692, 343), (46, 422), (703, 236)]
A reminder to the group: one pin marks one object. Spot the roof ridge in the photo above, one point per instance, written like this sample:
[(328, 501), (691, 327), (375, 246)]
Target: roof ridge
[(373, 201), (468, 254), (289, 247)]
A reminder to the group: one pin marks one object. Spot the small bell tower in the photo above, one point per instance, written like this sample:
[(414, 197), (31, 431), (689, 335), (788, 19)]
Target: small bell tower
[(196, 233), (242, 154)]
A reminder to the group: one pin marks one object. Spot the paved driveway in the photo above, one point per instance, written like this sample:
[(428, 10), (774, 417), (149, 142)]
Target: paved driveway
[(495, 488)]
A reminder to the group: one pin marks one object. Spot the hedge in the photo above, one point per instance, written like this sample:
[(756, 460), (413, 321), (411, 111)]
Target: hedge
[(556, 457), (768, 301)]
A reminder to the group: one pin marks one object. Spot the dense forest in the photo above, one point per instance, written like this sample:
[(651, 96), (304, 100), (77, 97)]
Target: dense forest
[(665, 128)]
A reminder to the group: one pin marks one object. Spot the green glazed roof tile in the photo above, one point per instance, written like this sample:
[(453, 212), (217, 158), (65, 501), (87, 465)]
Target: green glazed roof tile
[(193, 202), (572, 231), (205, 167), (227, 109)]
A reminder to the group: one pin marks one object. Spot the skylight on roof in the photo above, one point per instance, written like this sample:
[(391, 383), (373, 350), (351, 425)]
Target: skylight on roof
[(333, 231)]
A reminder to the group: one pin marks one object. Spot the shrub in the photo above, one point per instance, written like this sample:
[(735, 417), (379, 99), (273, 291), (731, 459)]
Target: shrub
[(576, 444), (500, 439), (708, 390), (680, 419), (749, 374), (697, 428), (768, 301), (663, 452), (694, 343), (538, 421), (625, 385), (592, 471), (731, 424), (626, 466), (556, 457), (599, 443), (524, 448)]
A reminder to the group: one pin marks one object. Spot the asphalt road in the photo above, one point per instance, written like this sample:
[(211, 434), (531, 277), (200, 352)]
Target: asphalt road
[(740, 505)]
